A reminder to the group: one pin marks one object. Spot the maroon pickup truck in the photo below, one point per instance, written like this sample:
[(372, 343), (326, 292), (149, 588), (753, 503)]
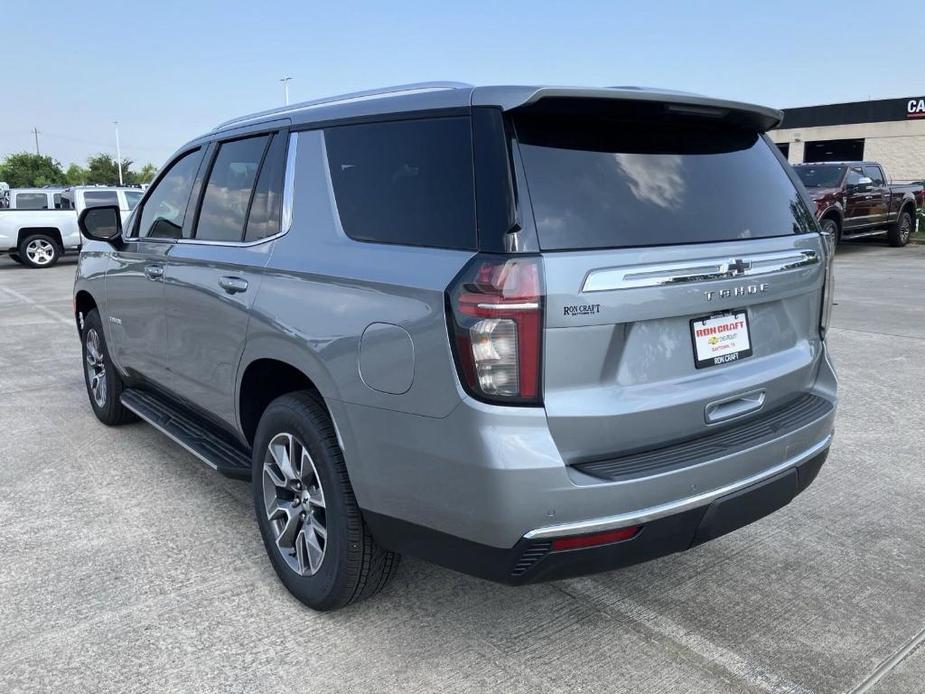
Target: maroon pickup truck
[(853, 199)]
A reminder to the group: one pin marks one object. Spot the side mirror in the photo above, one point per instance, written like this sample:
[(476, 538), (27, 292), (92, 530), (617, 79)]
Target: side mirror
[(103, 223)]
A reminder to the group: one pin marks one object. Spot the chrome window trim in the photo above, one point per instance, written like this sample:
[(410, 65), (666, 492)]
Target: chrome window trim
[(656, 275), (652, 513), (285, 215), (289, 183)]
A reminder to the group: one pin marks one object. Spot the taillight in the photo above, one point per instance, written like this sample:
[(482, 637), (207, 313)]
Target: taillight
[(495, 314), (828, 288)]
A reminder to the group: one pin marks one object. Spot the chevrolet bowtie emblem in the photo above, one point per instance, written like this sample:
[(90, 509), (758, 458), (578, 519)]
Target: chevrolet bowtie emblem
[(737, 266)]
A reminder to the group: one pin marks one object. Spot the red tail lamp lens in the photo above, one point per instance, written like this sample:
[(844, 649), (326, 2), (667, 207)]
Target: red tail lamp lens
[(496, 320), (595, 539)]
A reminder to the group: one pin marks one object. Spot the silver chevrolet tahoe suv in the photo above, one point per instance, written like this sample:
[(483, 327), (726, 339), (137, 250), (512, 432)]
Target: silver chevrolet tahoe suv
[(522, 332)]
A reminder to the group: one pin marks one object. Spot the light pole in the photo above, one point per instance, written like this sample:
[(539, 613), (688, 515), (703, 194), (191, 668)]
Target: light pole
[(285, 81), (35, 131), (118, 151)]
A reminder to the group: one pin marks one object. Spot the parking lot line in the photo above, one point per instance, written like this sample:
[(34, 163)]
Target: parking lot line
[(888, 665), (36, 305)]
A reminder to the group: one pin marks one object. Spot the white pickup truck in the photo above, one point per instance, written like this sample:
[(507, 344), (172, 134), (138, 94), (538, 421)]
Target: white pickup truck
[(40, 224)]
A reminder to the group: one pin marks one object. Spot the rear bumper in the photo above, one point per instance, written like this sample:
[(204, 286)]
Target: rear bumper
[(493, 476), (533, 557)]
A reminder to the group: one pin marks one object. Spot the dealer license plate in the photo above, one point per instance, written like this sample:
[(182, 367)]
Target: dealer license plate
[(721, 338)]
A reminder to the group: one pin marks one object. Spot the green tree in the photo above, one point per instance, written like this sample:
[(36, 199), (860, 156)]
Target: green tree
[(146, 175), (76, 175), (23, 170), (103, 168)]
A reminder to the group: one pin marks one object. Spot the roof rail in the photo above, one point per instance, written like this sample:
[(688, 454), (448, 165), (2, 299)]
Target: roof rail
[(344, 98)]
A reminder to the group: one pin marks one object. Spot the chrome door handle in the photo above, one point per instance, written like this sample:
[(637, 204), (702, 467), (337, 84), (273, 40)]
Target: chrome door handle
[(154, 272), (233, 285)]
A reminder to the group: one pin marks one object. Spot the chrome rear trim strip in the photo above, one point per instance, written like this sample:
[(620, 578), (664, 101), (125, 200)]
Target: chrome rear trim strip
[(635, 276), (652, 513)]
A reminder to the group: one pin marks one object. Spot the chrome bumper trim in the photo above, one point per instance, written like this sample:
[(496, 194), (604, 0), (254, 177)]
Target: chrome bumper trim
[(652, 513)]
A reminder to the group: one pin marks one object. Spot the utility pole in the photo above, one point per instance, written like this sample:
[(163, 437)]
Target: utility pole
[(35, 131), (118, 151), (285, 81)]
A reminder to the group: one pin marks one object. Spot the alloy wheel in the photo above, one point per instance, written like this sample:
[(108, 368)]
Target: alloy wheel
[(40, 251), (294, 503), (905, 229), (96, 368)]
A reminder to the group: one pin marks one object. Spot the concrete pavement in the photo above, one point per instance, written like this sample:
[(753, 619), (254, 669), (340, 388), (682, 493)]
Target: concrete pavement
[(126, 565)]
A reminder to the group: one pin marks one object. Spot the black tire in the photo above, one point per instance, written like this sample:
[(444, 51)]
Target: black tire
[(901, 229), (16, 258), (830, 226), (107, 408), (353, 566), (29, 247)]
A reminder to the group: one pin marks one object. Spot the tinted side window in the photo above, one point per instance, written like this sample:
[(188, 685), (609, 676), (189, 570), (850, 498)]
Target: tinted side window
[(268, 195), (31, 201), (164, 210), (406, 182), (873, 173), (132, 198), (95, 198), (228, 193), (57, 201)]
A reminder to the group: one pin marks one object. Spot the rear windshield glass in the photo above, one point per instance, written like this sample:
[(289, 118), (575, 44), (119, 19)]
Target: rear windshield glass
[(601, 183), (820, 176)]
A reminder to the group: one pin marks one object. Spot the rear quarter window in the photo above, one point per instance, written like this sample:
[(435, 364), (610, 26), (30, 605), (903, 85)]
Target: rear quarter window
[(96, 198), (601, 183), (405, 182), (31, 201)]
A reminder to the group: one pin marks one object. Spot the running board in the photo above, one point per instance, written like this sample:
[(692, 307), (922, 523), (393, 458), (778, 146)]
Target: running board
[(208, 443)]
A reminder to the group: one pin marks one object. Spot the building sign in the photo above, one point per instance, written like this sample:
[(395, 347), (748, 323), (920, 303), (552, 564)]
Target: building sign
[(876, 111), (915, 108)]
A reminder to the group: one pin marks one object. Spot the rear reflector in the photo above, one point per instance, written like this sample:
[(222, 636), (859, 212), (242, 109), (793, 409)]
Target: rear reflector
[(595, 539)]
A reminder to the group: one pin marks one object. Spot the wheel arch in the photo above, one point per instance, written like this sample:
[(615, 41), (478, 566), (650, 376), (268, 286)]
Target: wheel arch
[(908, 205), (83, 304), (835, 214), (54, 232), (262, 381)]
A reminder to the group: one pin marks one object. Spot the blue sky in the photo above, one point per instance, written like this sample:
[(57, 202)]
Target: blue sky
[(169, 70)]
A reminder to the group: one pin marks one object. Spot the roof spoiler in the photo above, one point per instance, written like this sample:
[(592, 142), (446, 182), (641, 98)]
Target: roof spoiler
[(761, 118)]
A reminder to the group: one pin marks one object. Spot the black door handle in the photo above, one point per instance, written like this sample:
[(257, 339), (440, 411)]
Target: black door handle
[(233, 285)]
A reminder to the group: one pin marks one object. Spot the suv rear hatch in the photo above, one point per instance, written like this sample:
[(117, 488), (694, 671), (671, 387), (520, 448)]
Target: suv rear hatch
[(683, 275)]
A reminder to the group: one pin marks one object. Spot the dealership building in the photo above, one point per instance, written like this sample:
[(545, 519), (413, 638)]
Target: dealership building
[(890, 131)]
